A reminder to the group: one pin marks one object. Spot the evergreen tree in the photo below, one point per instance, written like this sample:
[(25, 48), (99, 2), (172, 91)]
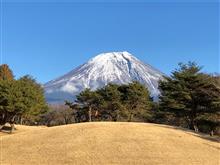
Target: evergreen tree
[(33, 99), (188, 94), (10, 102), (210, 122), (6, 73), (111, 104), (22, 98), (87, 100), (137, 99)]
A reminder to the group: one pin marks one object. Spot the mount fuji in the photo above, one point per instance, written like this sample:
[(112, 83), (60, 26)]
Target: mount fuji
[(113, 67)]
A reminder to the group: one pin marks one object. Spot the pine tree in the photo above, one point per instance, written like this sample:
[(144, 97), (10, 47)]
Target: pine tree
[(10, 102), (87, 100), (137, 99), (188, 94), (33, 99), (20, 98), (6, 73), (210, 122), (111, 104)]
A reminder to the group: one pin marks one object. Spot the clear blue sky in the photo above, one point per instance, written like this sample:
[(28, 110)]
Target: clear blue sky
[(49, 39)]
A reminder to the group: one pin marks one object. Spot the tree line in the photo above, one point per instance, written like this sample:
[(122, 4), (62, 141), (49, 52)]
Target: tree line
[(21, 100), (113, 102), (188, 98)]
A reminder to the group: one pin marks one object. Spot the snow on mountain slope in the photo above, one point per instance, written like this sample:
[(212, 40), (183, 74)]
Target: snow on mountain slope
[(114, 67)]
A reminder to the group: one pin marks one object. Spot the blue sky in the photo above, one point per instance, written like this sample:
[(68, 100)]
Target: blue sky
[(47, 39)]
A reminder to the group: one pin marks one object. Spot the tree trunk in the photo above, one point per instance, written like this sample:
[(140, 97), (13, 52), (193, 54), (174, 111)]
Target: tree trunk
[(193, 125), (115, 118), (96, 113), (196, 128), (90, 114), (193, 116), (12, 124), (130, 117), (212, 133), (21, 121), (12, 127), (3, 121)]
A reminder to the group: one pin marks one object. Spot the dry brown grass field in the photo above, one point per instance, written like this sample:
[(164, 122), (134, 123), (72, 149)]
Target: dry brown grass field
[(106, 143)]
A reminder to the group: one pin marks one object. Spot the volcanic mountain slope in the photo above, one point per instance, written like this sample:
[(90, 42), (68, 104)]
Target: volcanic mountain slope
[(114, 67), (107, 143)]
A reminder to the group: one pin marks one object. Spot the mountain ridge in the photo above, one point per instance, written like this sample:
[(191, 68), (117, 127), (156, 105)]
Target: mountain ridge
[(112, 67)]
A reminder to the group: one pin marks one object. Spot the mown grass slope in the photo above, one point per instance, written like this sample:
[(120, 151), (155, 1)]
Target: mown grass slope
[(107, 143)]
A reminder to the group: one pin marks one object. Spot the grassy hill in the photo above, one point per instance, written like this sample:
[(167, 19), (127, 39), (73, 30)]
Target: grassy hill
[(107, 143)]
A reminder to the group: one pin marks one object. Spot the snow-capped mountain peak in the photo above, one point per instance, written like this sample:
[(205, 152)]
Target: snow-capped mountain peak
[(113, 67)]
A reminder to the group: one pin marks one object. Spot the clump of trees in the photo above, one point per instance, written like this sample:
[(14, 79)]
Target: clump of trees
[(131, 102), (191, 98), (21, 100)]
